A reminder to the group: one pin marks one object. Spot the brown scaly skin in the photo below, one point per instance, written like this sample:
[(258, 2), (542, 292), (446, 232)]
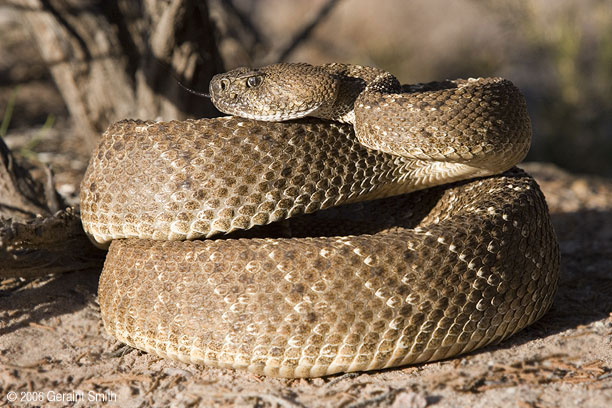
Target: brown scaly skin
[(403, 279)]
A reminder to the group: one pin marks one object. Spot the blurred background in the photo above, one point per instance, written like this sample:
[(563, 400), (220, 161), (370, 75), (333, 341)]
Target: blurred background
[(559, 53)]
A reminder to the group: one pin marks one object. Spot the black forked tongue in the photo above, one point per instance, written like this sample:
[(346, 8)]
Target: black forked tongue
[(204, 94)]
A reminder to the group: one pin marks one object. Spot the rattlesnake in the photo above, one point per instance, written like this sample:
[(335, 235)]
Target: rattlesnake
[(293, 285)]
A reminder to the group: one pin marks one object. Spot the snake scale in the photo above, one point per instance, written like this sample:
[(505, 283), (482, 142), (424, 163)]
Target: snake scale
[(403, 235)]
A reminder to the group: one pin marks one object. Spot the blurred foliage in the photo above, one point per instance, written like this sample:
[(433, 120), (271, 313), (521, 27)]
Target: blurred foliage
[(8, 113), (572, 109)]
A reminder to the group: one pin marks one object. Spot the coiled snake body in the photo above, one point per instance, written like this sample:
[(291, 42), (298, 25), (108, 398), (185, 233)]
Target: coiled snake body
[(293, 285)]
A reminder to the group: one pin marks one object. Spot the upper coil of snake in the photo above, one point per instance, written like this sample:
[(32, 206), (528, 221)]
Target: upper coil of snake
[(292, 285)]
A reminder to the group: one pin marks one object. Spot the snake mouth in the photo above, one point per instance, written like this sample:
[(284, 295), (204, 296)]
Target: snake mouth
[(275, 117), (246, 106)]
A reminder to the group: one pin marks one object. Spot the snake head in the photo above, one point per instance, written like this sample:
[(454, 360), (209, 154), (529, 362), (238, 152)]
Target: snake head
[(275, 92)]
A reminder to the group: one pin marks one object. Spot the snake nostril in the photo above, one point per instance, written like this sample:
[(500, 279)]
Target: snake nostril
[(216, 87)]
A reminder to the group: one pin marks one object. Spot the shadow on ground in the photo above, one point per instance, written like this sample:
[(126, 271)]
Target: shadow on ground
[(27, 303)]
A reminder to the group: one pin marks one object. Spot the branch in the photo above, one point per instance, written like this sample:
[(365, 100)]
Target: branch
[(303, 34)]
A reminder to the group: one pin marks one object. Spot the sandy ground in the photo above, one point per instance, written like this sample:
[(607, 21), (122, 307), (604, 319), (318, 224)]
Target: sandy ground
[(54, 350)]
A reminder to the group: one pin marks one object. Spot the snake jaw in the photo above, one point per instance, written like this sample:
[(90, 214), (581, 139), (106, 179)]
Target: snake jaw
[(273, 117)]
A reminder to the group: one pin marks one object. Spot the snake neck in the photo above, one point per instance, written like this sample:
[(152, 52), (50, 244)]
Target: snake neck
[(352, 81)]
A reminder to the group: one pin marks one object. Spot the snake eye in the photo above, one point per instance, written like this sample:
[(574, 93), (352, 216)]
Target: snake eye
[(253, 81), (224, 84)]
